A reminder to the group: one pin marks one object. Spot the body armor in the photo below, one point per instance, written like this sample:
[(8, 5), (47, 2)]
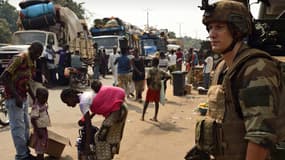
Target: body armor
[(222, 132)]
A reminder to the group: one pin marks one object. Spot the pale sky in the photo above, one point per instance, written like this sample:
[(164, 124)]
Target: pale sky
[(180, 16)]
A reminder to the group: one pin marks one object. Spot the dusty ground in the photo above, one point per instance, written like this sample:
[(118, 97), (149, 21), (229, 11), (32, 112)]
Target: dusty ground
[(168, 139)]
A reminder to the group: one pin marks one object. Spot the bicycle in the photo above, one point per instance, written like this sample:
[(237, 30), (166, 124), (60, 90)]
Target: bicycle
[(80, 142), (4, 118)]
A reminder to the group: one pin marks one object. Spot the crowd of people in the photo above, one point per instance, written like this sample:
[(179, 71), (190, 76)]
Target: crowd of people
[(249, 127), (130, 79)]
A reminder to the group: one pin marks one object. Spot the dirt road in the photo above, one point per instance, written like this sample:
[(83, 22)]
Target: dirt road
[(168, 139)]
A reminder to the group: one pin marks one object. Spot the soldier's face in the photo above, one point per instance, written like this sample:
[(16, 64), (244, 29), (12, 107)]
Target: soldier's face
[(220, 36)]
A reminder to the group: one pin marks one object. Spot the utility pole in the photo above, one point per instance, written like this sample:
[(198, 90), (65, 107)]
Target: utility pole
[(180, 30), (180, 35), (147, 18)]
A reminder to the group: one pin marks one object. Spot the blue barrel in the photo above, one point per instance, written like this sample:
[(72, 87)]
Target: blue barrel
[(27, 3), (38, 10)]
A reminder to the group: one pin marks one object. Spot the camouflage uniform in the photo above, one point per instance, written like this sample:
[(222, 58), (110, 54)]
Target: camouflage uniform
[(258, 85), (245, 99), (246, 96)]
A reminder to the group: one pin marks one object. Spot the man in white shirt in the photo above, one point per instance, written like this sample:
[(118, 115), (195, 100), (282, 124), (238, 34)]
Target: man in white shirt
[(85, 101), (208, 66), (172, 61), (114, 66)]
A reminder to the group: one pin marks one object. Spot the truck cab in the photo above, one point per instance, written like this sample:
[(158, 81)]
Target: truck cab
[(21, 41), (106, 33), (150, 44), (107, 42)]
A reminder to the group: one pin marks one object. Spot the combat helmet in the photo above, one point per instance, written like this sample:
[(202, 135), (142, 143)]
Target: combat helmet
[(232, 12)]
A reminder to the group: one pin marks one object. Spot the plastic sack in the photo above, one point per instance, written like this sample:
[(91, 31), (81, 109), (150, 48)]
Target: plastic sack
[(162, 94)]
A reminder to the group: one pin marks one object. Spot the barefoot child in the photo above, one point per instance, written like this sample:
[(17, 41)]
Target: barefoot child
[(40, 121), (154, 76)]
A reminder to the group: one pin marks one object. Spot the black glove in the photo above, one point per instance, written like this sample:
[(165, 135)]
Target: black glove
[(81, 123), (196, 154)]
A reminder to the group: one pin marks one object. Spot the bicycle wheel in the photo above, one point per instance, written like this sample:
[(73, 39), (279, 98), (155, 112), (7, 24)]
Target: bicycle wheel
[(4, 118)]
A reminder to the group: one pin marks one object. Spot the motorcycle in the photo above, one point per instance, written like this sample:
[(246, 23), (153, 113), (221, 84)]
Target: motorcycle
[(79, 77), (80, 143)]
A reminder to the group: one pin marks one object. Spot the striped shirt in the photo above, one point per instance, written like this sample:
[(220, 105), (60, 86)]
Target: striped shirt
[(21, 68)]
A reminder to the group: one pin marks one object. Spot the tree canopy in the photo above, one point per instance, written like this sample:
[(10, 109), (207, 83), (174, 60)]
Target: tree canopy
[(9, 13), (75, 7), (6, 34)]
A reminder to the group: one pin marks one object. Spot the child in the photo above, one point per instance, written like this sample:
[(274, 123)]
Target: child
[(40, 121), (154, 77)]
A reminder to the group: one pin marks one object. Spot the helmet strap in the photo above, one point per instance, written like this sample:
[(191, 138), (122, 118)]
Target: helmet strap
[(235, 36), (231, 47)]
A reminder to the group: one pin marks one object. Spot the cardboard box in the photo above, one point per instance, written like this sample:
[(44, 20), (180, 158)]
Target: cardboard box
[(56, 143)]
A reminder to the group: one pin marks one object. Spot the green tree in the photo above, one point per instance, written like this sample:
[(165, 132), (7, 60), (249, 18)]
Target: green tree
[(5, 31), (191, 43), (205, 46), (75, 7), (171, 35), (9, 13)]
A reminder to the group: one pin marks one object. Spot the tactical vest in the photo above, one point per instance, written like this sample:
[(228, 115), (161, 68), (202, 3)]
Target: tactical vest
[(222, 132)]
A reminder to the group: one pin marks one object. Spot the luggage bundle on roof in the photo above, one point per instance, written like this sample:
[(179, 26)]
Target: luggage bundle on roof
[(108, 26), (26, 3), (36, 14)]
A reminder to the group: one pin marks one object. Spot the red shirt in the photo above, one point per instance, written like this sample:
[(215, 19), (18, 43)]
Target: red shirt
[(107, 100), (179, 56)]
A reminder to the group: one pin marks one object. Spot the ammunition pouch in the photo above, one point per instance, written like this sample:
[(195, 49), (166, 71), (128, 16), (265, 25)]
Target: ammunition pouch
[(196, 154), (208, 137)]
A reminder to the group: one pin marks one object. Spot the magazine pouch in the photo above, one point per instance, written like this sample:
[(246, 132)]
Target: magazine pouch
[(208, 136)]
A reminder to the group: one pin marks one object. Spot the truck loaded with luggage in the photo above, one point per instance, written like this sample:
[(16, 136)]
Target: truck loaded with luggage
[(50, 24)]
